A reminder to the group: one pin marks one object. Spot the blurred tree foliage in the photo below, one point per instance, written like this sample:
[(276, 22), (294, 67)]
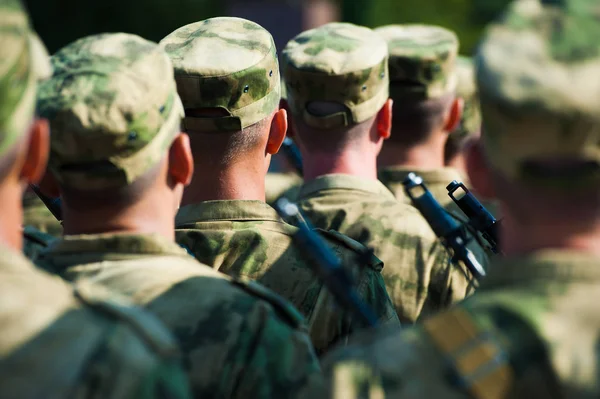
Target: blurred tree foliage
[(60, 22)]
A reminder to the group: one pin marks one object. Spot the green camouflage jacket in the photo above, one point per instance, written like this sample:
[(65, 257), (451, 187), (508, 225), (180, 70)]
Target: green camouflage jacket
[(61, 342), (436, 181), (248, 239), (531, 330), (36, 214), (279, 185), (239, 340), (418, 275)]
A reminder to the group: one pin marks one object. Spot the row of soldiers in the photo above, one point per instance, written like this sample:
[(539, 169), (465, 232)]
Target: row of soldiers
[(174, 278)]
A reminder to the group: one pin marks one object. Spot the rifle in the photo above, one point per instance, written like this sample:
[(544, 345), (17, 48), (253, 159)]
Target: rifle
[(292, 153), (479, 217), (451, 233), (53, 204), (328, 265)]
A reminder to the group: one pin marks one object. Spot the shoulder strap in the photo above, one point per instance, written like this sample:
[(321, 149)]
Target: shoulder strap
[(364, 254), (147, 327), (281, 306), (479, 361), (36, 236)]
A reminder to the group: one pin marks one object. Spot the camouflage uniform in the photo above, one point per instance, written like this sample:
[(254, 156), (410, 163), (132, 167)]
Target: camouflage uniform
[(114, 112), (423, 66), (418, 273), (57, 341), (242, 237), (531, 330)]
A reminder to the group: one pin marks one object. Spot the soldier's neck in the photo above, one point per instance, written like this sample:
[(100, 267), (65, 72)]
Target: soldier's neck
[(11, 216), (241, 181), (459, 162), (350, 162), (424, 157), (554, 233), (151, 215)]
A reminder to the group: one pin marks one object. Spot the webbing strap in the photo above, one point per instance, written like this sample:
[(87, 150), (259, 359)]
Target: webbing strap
[(480, 362)]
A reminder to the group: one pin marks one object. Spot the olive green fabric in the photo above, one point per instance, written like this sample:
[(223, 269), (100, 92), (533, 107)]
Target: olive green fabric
[(536, 72), (239, 339), (55, 344), (248, 239), (225, 63), (113, 109), (37, 215), (279, 185), (534, 311), (418, 273), (18, 74), (436, 181), (340, 63), (422, 61)]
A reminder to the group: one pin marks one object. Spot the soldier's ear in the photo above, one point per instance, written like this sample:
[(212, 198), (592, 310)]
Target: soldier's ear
[(36, 153), (454, 115), (181, 160), (478, 170), (279, 127), (384, 120), (283, 104)]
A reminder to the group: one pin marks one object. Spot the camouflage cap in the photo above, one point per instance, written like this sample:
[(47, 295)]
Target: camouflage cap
[(537, 72), (470, 123), (339, 63), (225, 63), (113, 109), (17, 74), (422, 61)]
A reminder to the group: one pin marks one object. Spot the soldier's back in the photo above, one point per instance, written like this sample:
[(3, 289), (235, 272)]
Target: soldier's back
[(54, 346), (530, 331), (248, 239), (419, 275), (238, 338)]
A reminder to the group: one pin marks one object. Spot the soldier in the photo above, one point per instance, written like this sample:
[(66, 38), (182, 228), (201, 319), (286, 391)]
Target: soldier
[(531, 330), (231, 102), (423, 82), (337, 89), (57, 341), (122, 163)]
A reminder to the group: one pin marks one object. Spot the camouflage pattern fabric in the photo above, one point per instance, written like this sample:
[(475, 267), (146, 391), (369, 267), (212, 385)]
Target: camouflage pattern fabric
[(418, 274), (228, 64), (555, 114), (436, 181), (422, 61), (55, 344), (340, 63), (279, 185), (518, 337), (36, 215), (18, 75), (239, 339), (470, 123), (113, 110), (248, 239)]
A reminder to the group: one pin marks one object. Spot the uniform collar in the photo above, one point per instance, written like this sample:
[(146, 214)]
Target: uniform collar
[(230, 210), (545, 265), (12, 261), (397, 174), (345, 182), (89, 246)]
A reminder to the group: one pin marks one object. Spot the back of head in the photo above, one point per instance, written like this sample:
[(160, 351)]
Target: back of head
[(423, 78), (336, 79), (470, 123), (227, 75), (17, 80), (537, 73), (114, 112)]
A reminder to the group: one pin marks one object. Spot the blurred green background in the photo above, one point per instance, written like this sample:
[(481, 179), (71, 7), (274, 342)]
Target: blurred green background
[(61, 21)]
